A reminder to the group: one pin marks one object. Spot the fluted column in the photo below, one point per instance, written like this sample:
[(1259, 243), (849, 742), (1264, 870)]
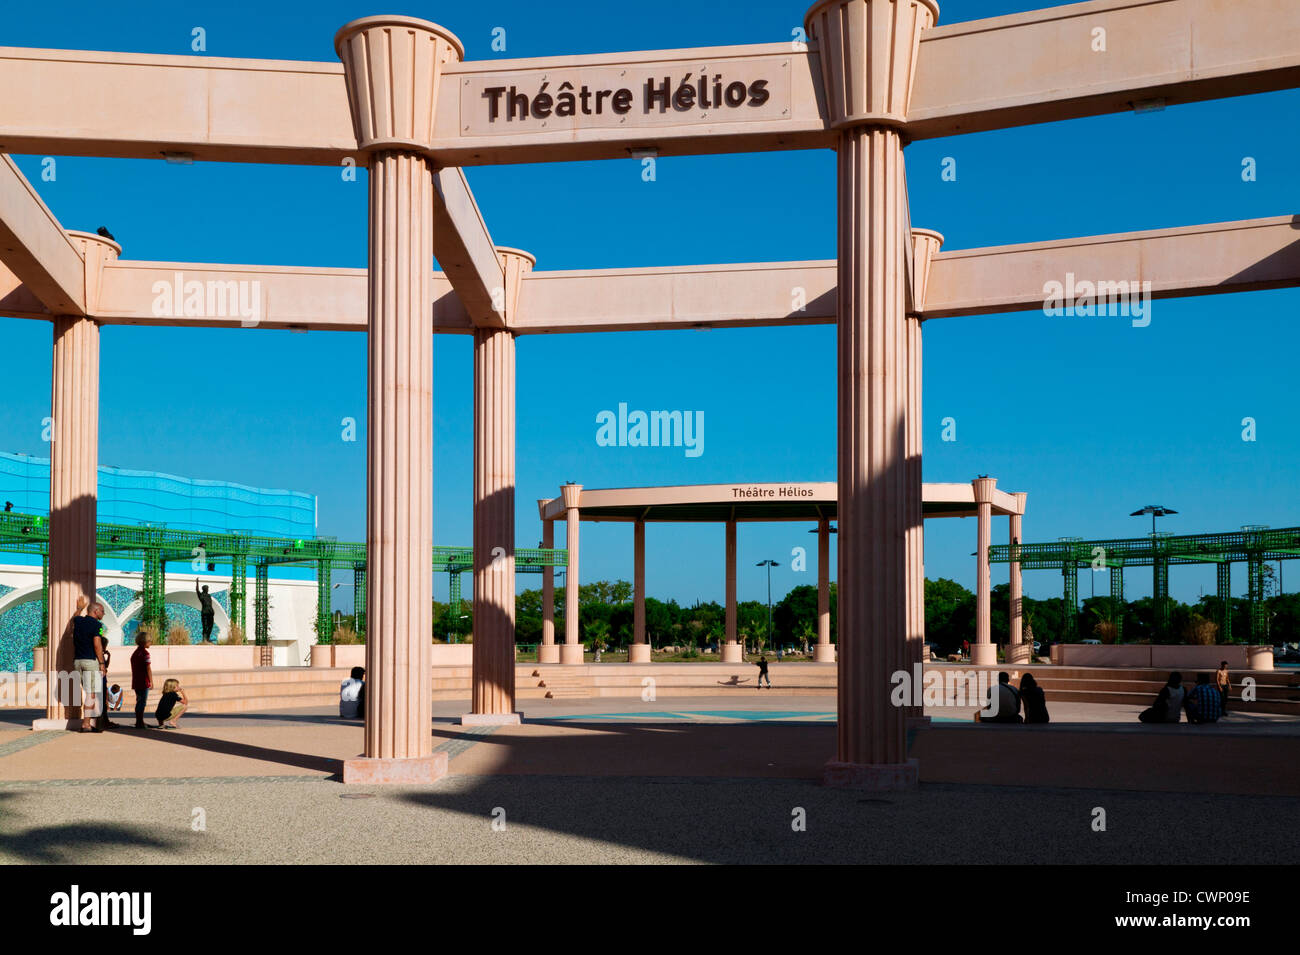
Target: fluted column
[(867, 52), (493, 689), (547, 651), (983, 652), (824, 652), (74, 434), (571, 649), (74, 462), (639, 652), (924, 244), (732, 651), (392, 67), (1017, 650)]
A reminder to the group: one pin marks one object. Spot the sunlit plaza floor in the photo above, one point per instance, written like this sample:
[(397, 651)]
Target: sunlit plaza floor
[(707, 779)]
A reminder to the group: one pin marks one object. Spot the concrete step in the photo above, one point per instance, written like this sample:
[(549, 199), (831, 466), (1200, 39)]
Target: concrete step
[(232, 691), (259, 703), (1287, 707)]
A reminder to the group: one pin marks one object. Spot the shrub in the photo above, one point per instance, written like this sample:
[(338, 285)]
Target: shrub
[(235, 636), (178, 635), (1106, 630), (345, 635), (1200, 631)]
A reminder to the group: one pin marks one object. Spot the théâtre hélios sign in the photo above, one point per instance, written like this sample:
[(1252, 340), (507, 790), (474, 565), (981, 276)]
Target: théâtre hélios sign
[(656, 94)]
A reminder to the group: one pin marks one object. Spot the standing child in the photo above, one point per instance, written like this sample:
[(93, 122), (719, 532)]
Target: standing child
[(762, 673), (172, 705), (141, 676)]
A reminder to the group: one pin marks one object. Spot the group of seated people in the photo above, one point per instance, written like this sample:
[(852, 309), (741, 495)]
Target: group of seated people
[(1005, 702), (1204, 703)]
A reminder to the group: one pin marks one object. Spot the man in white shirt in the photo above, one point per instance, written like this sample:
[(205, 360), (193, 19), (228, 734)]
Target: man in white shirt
[(352, 696)]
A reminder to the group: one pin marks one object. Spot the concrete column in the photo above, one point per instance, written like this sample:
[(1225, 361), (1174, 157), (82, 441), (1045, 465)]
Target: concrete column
[(548, 652), (983, 652), (493, 693), (824, 652), (639, 652), (924, 244), (1017, 650), (732, 651), (392, 68), (571, 650), (74, 461), (868, 87)]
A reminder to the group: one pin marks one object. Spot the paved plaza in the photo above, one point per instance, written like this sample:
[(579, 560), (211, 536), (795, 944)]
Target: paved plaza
[(687, 780)]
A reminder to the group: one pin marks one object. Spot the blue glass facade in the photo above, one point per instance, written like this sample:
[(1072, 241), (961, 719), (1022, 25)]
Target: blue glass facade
[(139, 497)]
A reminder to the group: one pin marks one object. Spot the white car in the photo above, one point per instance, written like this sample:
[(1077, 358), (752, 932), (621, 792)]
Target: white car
[(1092, 640)]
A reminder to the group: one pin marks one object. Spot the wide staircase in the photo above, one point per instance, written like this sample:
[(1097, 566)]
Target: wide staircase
[(1275, 690), (272, 688)]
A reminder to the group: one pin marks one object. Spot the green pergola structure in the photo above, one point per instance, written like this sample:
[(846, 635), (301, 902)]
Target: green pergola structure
[(156, 545), (1254, 545)]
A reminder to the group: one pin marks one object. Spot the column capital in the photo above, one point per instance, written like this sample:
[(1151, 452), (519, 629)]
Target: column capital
[(984, 487), (925, 243), (572, 494), (96, 251), (393, 68), (1021, 497), (868, 52), (515, 265)]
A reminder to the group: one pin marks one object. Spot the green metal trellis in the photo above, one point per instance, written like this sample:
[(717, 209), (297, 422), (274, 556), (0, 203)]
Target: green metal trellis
[(155, 544), (1254, 544)]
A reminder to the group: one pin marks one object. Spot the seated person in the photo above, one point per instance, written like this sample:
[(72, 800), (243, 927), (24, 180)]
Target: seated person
[(115, 697), (1168, 705), (1204, 703), (352, 696), (1035, 700), (1003, 705)]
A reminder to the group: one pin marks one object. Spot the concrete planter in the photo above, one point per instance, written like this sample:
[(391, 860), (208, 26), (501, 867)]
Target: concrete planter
[(348, 655), (197, 657), (1174, 656)]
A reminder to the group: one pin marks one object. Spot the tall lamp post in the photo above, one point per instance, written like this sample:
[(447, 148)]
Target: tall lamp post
[(1155, 510), (769, 564), (1160, 581)]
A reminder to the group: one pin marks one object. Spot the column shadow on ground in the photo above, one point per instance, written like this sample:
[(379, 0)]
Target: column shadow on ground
[(726, 793), (67, 844), (224, 747)]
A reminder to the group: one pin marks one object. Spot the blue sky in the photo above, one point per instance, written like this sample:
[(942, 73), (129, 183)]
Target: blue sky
[(1094, 418)]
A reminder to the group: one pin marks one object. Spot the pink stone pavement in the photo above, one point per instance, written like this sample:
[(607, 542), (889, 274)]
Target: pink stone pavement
[(1250, 757)]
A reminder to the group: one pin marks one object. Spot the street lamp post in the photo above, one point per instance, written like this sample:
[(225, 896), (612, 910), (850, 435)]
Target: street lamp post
[(1155, 510), (769, 564), (1160, 603)]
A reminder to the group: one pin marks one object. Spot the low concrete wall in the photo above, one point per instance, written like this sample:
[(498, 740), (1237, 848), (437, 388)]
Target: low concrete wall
[(1163, 656), (166, 658), (350, 655)]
